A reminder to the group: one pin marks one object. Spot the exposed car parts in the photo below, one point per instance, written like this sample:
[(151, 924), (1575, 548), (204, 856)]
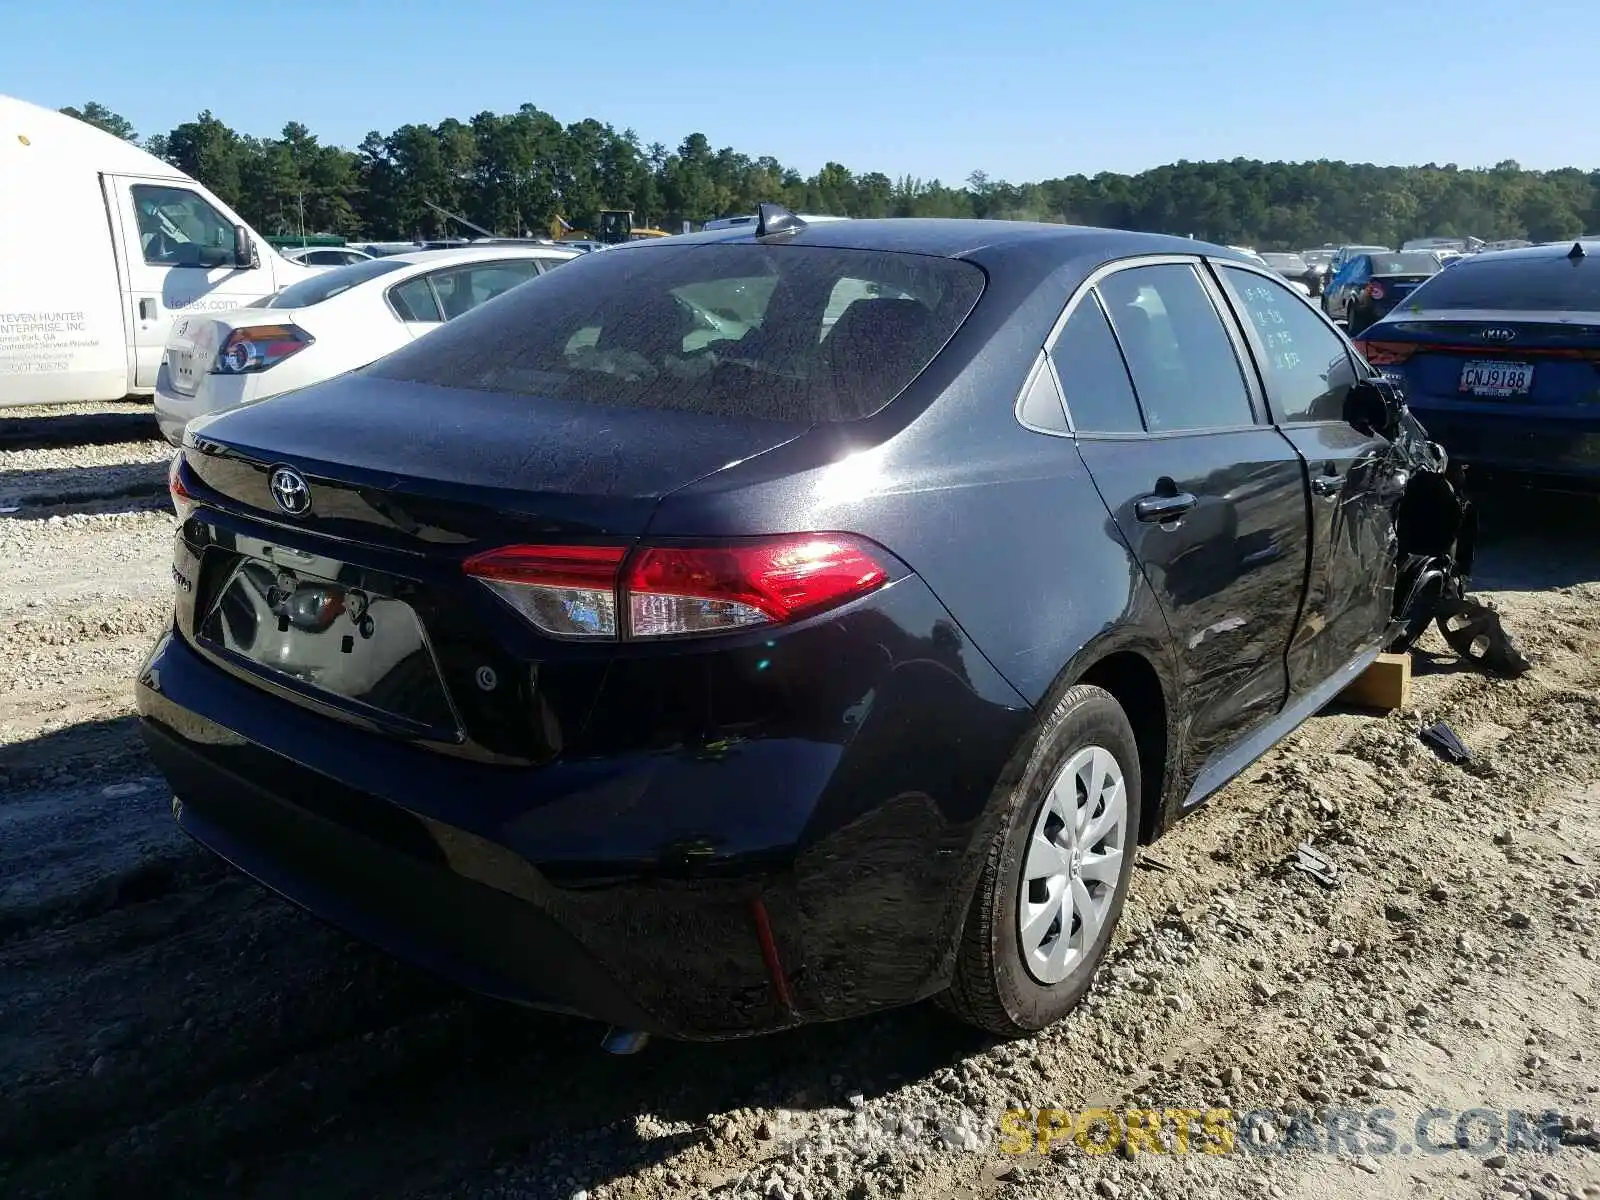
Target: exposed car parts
[(1442, 740), (1437, 526), (1474, 632), (1310, 861)]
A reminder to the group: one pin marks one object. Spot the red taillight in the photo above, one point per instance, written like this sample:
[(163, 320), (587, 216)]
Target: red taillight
[(1374, 290), (673, 590), (1384, 354), (667, 591), (259, 347), (182, 502)]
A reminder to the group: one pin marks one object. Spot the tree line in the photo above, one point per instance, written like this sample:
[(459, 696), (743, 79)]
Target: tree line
[(516, 173)]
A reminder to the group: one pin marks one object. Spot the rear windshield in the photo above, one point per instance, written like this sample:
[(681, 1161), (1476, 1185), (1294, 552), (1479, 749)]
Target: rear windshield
[(1416, 263), (1514, 283), (1285, 262), (330, 283), (787, 333)]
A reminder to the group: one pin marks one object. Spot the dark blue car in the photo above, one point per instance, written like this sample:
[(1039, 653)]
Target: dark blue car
[(786, 622), (1500, 358)]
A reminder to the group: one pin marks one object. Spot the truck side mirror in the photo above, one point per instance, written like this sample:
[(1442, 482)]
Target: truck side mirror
[(1373, 406), (245, 255)]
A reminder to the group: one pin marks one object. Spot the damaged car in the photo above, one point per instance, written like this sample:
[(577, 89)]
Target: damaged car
[(709, 679)]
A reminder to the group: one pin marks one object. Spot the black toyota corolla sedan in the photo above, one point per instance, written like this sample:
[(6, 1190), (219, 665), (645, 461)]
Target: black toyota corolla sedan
[(783, 623)]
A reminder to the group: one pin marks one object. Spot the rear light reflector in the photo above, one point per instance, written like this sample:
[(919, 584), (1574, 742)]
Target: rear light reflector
[(183, 503), (674, 590), (603, 593), (565, 591), (258, 347)]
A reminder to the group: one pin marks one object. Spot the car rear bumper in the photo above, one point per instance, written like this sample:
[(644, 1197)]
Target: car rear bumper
[(216, 393), (1514, 443), (528, 883)]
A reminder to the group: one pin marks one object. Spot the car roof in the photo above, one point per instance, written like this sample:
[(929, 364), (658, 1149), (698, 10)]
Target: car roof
[(482, 253), (964, 237), (1545, 250)]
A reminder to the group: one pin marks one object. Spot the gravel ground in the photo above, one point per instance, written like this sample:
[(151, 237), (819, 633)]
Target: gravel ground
[(76, 425), (167, 1029)]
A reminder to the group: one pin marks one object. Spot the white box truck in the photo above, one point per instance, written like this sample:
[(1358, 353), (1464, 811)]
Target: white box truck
[(101, 246)]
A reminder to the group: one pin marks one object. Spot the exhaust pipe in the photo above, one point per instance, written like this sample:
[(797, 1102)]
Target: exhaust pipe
[(624, 1041)]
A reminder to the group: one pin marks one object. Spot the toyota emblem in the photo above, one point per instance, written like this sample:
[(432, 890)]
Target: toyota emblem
[(290, 491)]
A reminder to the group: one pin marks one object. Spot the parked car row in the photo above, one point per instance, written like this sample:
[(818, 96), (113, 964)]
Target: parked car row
[(1371, 282)]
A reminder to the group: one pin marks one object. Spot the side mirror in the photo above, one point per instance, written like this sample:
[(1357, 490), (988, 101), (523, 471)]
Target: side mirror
[(1373, 406), (245, 256)]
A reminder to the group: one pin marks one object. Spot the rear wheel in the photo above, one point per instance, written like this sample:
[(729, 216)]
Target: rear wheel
[(1056, 876)]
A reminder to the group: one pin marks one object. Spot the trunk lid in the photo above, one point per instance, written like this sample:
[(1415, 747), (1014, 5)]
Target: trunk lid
[(359, 608), (410, 464)]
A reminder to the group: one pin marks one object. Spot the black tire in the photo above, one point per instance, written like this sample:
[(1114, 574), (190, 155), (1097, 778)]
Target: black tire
[(991, 987)]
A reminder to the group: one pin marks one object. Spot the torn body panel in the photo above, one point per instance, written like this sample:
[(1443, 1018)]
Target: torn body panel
[(1436, 528)]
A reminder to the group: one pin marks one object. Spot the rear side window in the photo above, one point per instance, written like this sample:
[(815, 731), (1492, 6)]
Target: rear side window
[(326, 284), (1098, 393), (1534, 284), (1041, 404), (741, 330), (464, 288), (413, 301), (1184, 368), (1308, 371)]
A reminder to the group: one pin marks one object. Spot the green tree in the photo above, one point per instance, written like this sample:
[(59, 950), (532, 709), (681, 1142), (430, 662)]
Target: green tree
[(516, 172), (101, 117)]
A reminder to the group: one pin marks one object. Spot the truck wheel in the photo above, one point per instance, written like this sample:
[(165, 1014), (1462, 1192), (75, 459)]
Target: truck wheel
[(1056, 875)]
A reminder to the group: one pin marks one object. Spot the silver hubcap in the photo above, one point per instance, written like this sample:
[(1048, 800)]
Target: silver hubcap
[(1072, 865)]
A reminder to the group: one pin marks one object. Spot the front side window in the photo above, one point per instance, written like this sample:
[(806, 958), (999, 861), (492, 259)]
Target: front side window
[(178, 228), (1308, 371), (732, 330), (1098, 393), (1184, 368)]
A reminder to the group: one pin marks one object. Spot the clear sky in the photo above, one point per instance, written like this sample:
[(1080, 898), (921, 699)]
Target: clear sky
[(935, 89)]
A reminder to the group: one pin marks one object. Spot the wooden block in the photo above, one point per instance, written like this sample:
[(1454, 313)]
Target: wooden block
[(1385, 685)]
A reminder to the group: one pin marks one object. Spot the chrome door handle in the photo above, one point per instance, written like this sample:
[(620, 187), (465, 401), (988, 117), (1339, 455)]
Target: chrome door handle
[(1328, 485), (1156, 507)]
